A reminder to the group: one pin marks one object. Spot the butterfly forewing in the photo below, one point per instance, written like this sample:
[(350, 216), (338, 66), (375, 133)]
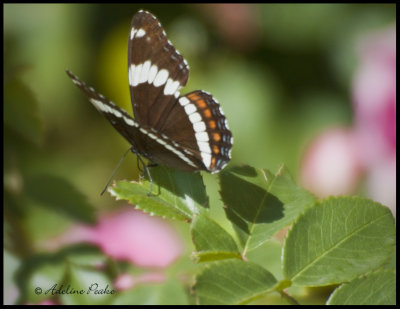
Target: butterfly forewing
[(156, 70), (145, 141), (119, 118)]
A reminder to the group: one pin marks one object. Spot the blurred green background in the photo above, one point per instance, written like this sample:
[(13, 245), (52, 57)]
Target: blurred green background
[(282, 73)]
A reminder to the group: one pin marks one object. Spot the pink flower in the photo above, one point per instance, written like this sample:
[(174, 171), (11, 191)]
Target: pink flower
[(47, 302), (127, 281), (129, 235), (375, 114), (336, 159), (381, 183), (331, 165), (374, 96)]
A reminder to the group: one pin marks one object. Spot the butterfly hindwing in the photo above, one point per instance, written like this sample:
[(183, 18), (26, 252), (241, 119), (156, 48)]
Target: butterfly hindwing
[(201, 127)]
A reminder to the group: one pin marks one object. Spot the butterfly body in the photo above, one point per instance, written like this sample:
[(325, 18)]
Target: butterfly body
[(187, 132)]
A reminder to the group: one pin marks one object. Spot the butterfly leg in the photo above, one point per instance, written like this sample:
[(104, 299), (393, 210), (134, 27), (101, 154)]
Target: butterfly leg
[(148, 171), (150, 178), (142, 167)]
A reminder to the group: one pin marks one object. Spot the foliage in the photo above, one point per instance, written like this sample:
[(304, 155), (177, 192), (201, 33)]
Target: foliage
[(58, 153), (330, 242)]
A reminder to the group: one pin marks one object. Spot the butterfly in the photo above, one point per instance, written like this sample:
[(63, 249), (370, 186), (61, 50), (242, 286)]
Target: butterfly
[(187, 132)]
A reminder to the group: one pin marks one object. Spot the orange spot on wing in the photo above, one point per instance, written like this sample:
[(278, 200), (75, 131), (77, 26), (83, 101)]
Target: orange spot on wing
[(216, 137), (193, 97), (207, 113), (212, 124), (201, 104), (213, 161), (215, 149)]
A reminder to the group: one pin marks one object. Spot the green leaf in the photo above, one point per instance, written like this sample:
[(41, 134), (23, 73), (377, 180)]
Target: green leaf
[(90, 259), (268, 255), (232, 282), (43, 279), (175, 194), (378, 288), (21, 114), (337, 240), (47, 269), (212, 242), (170, 292), (86, 287), (59, 195), (260, 204), (10, 265), (391, 263)]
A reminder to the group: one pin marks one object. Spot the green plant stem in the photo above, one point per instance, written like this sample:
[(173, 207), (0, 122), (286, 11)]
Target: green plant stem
[(289, 298)]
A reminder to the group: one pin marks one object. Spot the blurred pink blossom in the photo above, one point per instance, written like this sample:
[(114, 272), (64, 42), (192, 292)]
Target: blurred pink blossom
[(336, 158), (374, 97), (375, 114), (127, 281), (124, 282), (128, 235), (331, 164), (47, 302), (381, 183)]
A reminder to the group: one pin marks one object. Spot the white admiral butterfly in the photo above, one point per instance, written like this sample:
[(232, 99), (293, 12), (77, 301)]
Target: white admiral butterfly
[(187, 132)]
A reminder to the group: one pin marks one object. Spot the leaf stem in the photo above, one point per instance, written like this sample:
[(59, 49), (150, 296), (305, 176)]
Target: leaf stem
[(289, 298)]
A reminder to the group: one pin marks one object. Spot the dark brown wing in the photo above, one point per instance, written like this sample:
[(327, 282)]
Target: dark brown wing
[(145, 141), (197, 123), (119, 118), (187, 132), (156, 70), (156, 73)]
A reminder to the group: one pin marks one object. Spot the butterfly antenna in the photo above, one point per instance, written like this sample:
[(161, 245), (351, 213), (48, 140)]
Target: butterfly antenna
[(114, 171)]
